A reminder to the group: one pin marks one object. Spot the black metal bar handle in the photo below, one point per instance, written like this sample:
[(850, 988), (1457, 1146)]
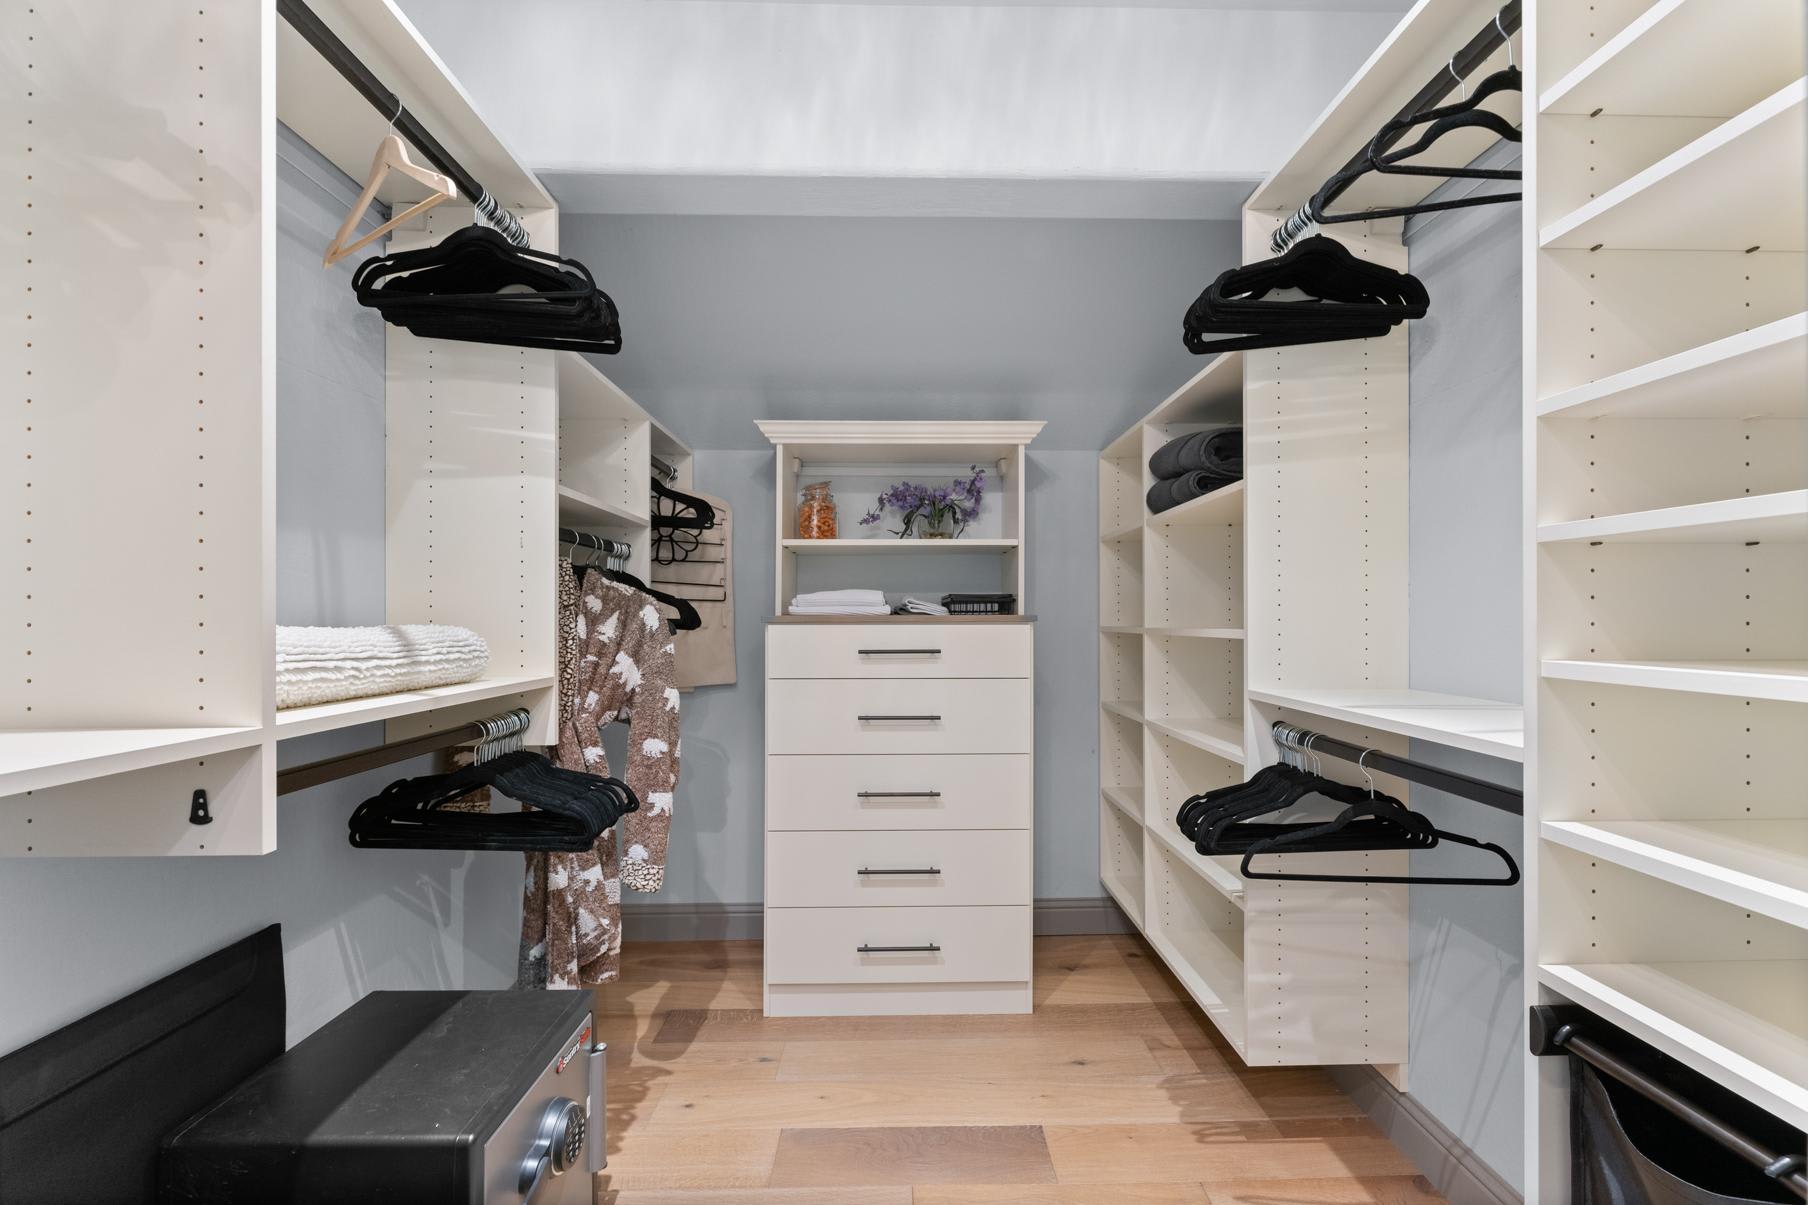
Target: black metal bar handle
[(899, 652), (874, 719), (901, 870), (897, 794), (930, 948)]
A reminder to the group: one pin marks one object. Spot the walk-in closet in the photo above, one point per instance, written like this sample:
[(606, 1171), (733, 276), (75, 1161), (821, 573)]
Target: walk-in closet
[(861, 602)]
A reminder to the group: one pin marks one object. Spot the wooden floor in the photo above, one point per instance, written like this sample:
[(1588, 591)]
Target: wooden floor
[(1115, 1091)]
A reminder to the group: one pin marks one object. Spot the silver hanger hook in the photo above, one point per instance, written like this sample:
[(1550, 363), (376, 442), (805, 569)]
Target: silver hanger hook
[(1461, 84), (1505, 37), (1365, 771)]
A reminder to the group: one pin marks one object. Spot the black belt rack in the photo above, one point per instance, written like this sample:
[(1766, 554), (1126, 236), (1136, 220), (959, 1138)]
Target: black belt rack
[(1559, 1029), (306, 22), (1507, 799)]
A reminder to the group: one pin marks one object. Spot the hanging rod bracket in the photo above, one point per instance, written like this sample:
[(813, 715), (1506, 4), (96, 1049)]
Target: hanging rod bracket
[(197, 808)]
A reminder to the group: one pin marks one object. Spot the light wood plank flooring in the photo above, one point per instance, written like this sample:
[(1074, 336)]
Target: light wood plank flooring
[(1115, 1091)]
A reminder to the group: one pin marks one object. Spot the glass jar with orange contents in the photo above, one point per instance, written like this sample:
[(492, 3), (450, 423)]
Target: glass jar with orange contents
[(816, 513)]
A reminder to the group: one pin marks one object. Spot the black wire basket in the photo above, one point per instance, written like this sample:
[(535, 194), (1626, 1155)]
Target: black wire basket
[(980, 604)]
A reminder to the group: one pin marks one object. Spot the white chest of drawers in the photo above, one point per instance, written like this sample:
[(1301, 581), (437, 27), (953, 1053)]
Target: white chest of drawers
[(898, 818)]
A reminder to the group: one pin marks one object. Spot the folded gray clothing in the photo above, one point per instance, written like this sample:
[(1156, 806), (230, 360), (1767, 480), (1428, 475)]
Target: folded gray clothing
[(1219, 452), (1172, 491)]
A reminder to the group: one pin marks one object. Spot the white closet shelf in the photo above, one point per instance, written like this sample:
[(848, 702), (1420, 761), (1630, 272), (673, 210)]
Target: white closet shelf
[(1214, 394), (892, 546), (1130, 711), (1127, 800), (1200, 633), (1126, 899), (1781, 518), (1219, 873), (1119, 629), (1220, 508), (1759, 865), (1222, 737), (584, 392), (39, 759), (1120, 533), (1673, 60), (1782, 681), (1736, 187), (1759, 373), (324, 717), (581, 510), (1739, 1023), (1213, 975), (1486, 726)]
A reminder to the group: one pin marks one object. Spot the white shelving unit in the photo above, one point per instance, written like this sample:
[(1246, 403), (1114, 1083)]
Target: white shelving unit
[(487, 448), (860, 460), (1666, 827)]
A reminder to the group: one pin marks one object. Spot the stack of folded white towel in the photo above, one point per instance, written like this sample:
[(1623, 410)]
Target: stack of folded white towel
[(922, 606), (841, 602), (325, 665)]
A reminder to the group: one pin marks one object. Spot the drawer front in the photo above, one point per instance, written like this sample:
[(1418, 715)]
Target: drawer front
[(904, 869), (863, 716), (822, 945), (892, 792), (909, 650)]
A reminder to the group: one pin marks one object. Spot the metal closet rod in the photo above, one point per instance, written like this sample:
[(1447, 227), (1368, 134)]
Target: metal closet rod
[(306, 22), (300, 778), (1553, 1031), (1507, 799), (1474, 53)]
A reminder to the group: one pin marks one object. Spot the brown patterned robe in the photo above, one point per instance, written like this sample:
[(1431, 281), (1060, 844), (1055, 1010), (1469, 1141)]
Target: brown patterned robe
[(571, 909)]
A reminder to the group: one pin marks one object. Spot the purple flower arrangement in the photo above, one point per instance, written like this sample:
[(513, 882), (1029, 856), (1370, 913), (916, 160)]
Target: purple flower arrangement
[(954, 504)]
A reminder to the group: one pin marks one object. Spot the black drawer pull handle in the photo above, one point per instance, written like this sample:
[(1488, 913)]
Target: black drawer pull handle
[(897, 795), (926, 719), (901, 870), (899, 652), (931, 948)]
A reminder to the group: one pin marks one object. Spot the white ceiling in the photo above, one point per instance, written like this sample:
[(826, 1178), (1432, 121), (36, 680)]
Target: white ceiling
[(849, 107)]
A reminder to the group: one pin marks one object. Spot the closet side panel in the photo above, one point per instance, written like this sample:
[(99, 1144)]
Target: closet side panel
[(472, 442), (1325, 446), (137, 174)]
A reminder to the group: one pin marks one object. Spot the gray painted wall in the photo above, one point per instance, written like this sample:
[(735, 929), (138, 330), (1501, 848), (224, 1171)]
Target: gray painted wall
[(728, 320), (91, 930), (1466, 1020)]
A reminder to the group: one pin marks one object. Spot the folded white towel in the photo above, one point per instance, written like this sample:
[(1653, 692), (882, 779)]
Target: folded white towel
[(922, 606), (870, 598), (847, 609), (326, 665)]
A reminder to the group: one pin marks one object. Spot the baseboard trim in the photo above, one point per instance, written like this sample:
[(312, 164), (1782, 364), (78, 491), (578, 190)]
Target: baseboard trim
[(1453, 1168), (656, 921)]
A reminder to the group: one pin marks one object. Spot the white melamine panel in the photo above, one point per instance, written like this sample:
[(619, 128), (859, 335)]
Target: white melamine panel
[(822, 945), (1581, 158), (472, 434), (1757, 373), (146, 812), (1740, 185), (1120, 752), (1673, 602), (603, 469), (1693, 57), (1121, 506), (1220, 508), (896, 999), (1199, 933), (924, 650), (1607, 312), (1121, 668), (895, 792), (1772, 518), (1595, 468), (1757, 864), (1121, 867), (1178, 771), (1566, 34), (1478, 725), (1741, 1024), (1223, 737), (1783, 681), (43, 758), (946, 869), (1325, 444), (1121, 581), (1327, 962), (977, 715), (1190, 679), (1628, 753), (1194, 575), (137, 343), (497, 693)]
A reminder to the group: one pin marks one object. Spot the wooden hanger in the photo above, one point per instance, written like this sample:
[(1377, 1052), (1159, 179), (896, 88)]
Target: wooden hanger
[(392, 155)]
